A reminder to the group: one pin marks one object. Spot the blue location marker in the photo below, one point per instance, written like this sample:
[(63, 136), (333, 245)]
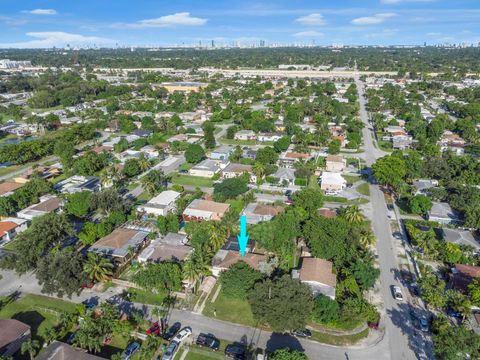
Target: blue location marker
[(243, 237)]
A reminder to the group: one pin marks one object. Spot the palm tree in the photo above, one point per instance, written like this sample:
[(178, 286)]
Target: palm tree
[(97, 268), (89, 340), (50, 335), (158, 312), (66, 320), (194, 269), (353, 214), (218, 235), (367, 238), (143, 163), (30, 347), (259, 170), (105, 178)]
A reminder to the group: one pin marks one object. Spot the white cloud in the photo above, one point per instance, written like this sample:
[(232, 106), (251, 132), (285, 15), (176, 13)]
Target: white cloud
[(373, 20), (308, 34), (42, 12), (314, 19), (178, 19), (48, 39)]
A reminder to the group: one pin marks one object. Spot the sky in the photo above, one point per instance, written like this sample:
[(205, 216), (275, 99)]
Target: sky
[(110, 23)]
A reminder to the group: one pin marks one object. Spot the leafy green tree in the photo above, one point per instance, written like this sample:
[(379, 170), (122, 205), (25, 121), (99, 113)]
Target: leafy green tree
[(284, 304), (389, 170), (194, 154), (267, 155), (229, 189), (420, 204), (288, 354), (238, 280), (310, 199), (325, 310), (474, 292), (30, 347), (456, 343), (78, 204), (154, 181), (157, 277), (61, 272), (45, 233), (108, 201), (433, 291), (132, 168), (334, 146), (281, 144), (209, 137), (365, 273)]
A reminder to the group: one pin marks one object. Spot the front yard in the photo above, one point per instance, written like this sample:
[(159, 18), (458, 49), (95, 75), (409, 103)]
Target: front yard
[(187, 180)]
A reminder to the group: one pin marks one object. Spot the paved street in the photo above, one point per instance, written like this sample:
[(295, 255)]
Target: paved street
[(405, 342)]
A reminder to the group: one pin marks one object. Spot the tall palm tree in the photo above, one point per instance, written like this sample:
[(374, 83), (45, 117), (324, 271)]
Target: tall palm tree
[(218, 235), (66, 320), (88, 339), (30, 347), (50, 335), (353, 214), (98, 268), (367, 238), (259, 170), (194, 269), (143, 163), (105, 178)]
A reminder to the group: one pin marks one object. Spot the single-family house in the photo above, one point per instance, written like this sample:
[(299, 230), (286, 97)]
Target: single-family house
[(150, 151), (460, 237), (207, 168), (332, 183), (45, 172), (317, 273), (245, 135), (161, 204), (200, 209), (453, 142), (442, 213), (264, 137), (60, 351), (10, 227), (402, 142), (120, 244), (47, 204), (335, 163), (78, 183), (224, 259), (221, 153), (289, 157), (142, 133), (178, 137), (7, 188), (257, 213), (285, 176), (462, 275), (171, 247), (234, 169), (250, 153), (13, 334), (423, 185)]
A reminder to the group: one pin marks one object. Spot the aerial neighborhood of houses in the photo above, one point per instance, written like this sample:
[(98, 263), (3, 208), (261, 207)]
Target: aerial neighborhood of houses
[(129, 191)]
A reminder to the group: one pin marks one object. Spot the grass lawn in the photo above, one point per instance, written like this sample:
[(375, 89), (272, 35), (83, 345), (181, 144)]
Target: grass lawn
[(10, 245), (358, 201), (144, 196), (185, 166), (339, 340), (232, 310), (236, 204), (363, 189), (237, 142), (7, 170), (40, 312), (351, 179), (336, 199), (188, 180), (145, 297)]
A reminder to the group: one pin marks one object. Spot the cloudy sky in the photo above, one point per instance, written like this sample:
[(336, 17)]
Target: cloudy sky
[(40, 24)]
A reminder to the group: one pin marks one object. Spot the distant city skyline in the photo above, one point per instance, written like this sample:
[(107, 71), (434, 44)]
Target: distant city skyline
[(109, 23)]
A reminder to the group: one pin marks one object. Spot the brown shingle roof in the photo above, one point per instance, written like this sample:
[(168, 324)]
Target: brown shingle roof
[(464, 276), (335, 158), (233, 257), (318, 270), (11, 330), (8, 186), (117, 238), (61, 351), (238, 168), (268, 210), (207, 205), (49, 205)]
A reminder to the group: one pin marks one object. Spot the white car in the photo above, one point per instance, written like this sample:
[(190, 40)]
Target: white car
[(182, 334), (397, 293)]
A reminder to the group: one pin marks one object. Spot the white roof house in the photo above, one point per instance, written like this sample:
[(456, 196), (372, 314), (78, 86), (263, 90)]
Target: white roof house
[(161, 204), (332, 182), (207, 168)]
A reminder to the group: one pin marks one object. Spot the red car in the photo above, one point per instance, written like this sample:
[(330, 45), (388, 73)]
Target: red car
[(154, 329)]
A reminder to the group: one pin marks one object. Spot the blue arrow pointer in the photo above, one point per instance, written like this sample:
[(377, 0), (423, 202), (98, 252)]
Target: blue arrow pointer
[(243, 237)]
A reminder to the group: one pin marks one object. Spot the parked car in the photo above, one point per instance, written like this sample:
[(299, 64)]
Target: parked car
[(424, 324), (235, 351), (209, 341), (154, 329), (170, 352), (302, 333), (182, 334), (455, 314), (397, 293), (130, 350), (172, 331), (71, 337)]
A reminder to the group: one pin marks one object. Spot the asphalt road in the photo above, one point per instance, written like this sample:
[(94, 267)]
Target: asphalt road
[(404, 340)]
